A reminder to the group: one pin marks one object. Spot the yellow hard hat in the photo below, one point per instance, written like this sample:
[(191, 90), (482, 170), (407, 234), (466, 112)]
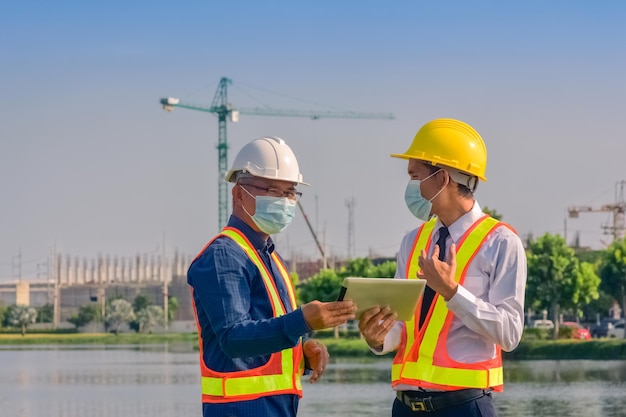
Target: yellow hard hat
[(452, 143)]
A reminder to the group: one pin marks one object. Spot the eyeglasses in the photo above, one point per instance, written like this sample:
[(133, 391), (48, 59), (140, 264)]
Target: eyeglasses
[(275, 192)]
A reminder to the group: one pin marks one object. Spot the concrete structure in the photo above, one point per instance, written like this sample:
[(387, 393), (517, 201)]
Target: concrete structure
[(77, 282), (26, 292)]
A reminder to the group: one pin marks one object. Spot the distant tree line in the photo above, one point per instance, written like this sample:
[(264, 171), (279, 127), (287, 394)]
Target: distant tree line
[(561, 280), (583, 284), (141, 316)]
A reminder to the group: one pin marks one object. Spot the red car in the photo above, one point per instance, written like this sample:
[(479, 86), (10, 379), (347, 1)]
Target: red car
[(578, 331)]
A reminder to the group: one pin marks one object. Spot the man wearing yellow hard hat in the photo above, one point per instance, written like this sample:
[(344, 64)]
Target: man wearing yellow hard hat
[(448, 358)]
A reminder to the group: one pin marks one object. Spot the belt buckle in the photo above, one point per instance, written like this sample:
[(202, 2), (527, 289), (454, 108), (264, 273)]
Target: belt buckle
[(422, 405)]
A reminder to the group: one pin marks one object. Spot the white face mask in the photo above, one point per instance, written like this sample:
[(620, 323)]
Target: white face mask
[(417, 204), (272, 214)]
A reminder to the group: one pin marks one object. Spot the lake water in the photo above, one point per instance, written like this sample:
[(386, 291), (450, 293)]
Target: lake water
[(163, 381)]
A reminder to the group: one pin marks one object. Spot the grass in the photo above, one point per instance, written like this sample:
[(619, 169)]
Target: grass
[(348, 345), (95, 338), (597, 349)]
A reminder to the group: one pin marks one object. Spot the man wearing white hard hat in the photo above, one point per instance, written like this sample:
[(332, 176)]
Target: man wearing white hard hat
[(249, 328)]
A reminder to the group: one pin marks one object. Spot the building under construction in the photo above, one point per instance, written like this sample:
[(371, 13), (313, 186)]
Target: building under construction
[(75, 282), (616, 228)]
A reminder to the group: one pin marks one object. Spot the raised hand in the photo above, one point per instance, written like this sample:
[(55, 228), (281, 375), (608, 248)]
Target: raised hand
[(439, 275)]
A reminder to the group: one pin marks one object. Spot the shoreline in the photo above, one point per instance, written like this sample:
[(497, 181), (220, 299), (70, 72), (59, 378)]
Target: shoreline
[(344, 347)]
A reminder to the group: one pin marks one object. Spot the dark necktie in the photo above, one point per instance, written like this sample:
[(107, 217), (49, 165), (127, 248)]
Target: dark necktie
[(429, 294)]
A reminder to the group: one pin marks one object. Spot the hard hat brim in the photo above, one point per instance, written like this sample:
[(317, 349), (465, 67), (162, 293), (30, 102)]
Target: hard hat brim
[(401, 156), (434, 163), (231, 177)]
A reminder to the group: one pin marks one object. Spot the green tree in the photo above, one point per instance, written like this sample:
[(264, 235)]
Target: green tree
[(323, 286), (150, 317), (86, 314), (359, 267), (386, 269), (45, 313), (587, 286), (591, 256), (141, 302), (3, 314), (21, 316), (556, 279), (492, 212), (172, 307), (600, 306), (118, 312), (613, 272)]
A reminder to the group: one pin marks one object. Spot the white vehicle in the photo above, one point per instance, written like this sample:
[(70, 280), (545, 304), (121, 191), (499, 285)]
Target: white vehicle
[(543, 324), (617, 331)]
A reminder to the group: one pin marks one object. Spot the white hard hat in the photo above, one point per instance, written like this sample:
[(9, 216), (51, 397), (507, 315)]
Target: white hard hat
[(267, 157)]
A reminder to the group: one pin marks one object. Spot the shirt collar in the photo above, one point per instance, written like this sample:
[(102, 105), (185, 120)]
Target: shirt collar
[(255, 238), (463, 223)]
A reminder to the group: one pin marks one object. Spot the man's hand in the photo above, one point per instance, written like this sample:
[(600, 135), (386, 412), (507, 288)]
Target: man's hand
[(316, 356), (439, 275), (320, 315), (374, 325)]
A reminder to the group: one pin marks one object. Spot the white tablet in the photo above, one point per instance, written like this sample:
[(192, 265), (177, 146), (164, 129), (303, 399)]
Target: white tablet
[(401, 295)]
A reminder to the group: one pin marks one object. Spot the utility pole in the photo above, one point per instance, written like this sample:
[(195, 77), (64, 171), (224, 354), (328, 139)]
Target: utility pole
[(56, 265), (317, 225), (350, 203), (565, 228), (16, 265), (45, 273), (165, 280), (102, 291)]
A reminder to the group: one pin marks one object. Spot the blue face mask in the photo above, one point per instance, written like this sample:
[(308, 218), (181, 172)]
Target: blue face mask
[(272, 214), (417, 204)]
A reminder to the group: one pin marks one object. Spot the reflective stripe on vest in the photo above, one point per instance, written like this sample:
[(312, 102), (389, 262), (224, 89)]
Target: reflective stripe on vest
[(427, 346), (281, 374)]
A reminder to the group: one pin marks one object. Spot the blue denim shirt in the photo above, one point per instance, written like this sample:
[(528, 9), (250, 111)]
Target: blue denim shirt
[(236, 320)]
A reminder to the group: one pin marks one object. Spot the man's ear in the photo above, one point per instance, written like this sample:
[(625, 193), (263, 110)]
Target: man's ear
[(237, 193), (446, 179)]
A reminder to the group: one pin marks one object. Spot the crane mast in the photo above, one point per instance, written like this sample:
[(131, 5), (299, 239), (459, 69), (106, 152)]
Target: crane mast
[(220, 102)]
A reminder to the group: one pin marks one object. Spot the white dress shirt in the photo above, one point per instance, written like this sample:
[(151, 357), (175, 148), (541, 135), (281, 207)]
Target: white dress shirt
[(489, 307)]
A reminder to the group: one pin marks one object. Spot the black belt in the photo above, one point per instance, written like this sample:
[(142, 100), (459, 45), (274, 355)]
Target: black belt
[(431, 401)]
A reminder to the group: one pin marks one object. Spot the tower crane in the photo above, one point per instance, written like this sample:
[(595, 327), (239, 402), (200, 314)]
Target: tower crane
[(618, 228), (225, 110)]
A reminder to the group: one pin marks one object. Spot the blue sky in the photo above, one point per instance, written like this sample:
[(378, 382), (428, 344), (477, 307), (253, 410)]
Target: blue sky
[(90, 163)]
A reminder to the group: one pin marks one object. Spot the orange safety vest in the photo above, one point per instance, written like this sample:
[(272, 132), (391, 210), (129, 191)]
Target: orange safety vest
[(422, 358), (281, 374)]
